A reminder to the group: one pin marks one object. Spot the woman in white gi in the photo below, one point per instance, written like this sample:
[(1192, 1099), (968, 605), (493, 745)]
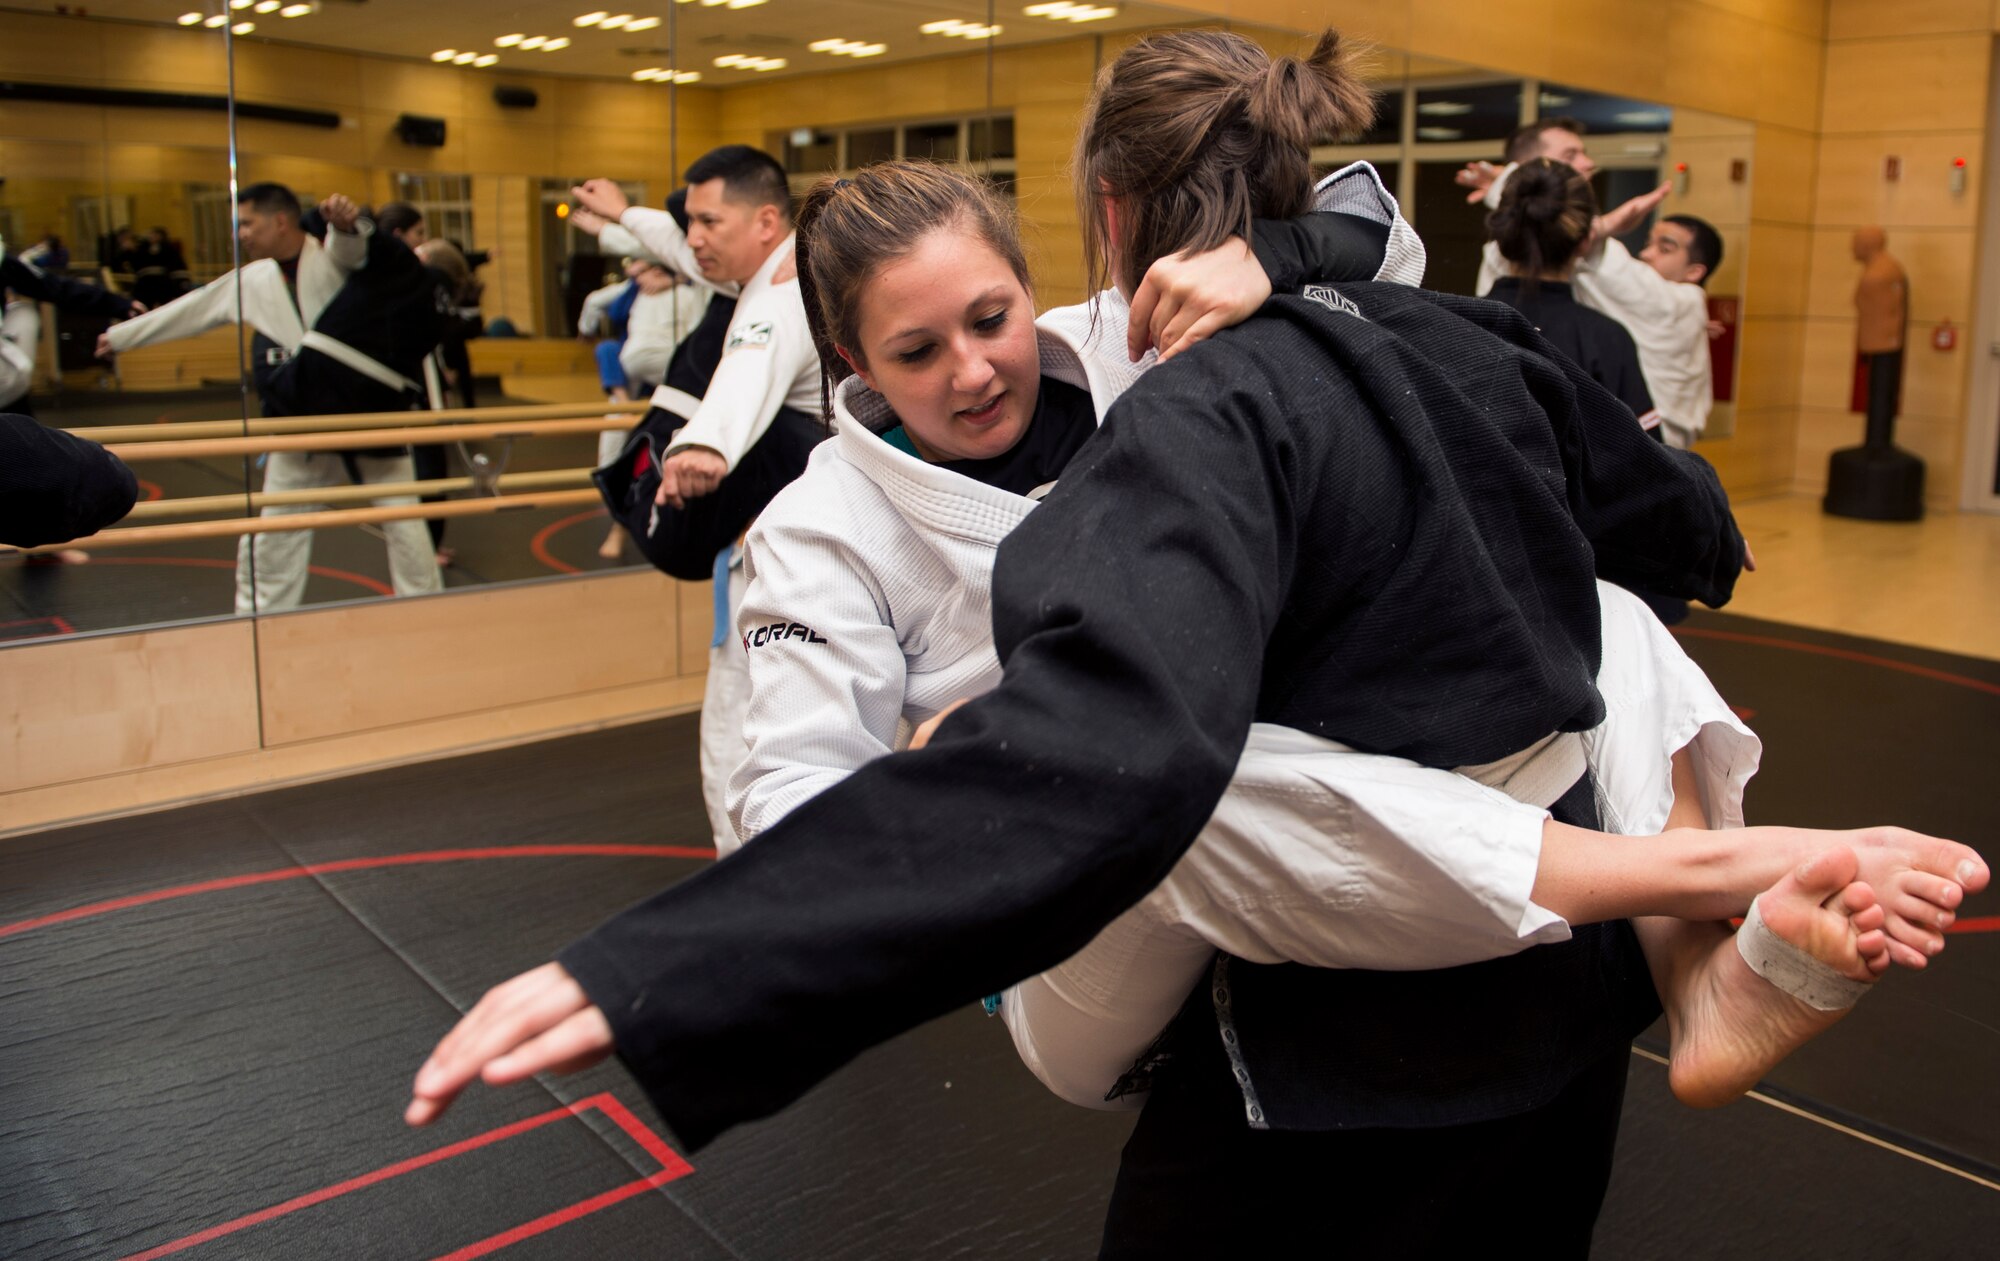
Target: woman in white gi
[(867, 611)]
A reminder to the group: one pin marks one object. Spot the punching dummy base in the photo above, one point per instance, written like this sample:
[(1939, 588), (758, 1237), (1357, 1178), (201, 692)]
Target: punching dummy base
[(1875, 483)]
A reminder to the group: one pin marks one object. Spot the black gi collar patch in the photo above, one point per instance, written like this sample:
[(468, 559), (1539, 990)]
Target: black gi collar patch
[(755, 334), (1331, 300)]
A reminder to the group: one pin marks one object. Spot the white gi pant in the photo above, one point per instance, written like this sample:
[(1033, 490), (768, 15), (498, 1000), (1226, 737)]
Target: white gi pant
[(20, 336), (271, 568), (724, 701), (1324, 857)]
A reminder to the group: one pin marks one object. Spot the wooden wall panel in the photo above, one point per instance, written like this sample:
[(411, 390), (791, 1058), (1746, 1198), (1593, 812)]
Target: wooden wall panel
[(82, 708), (1874, 19), (1778, 270), (1918, 84), (392, 662)]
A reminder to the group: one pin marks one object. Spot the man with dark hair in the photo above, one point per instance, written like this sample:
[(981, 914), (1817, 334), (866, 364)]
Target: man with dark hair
[(325, 342), (1656, 296), (721, 456)]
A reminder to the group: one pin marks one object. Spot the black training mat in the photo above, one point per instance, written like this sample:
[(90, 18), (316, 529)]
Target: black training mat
[(212, 1015)]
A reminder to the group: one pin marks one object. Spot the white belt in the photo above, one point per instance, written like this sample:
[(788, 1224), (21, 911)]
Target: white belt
[(679, 402), (348, 356), (1536, 776)]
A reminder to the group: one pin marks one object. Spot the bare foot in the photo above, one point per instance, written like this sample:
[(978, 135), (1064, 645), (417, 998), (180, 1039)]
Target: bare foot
[(613, 545), (1921, 882), (1729, 1026)]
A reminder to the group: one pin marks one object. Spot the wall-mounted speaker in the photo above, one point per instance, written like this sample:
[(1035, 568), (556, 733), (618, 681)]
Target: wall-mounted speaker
[(514, 98), (425, 133)]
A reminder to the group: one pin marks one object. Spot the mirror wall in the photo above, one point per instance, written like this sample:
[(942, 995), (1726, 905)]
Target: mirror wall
[(480, 117)]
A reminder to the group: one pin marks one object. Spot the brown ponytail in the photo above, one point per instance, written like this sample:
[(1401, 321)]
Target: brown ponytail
[(849, 229), (1544, 218), (1195, 133)]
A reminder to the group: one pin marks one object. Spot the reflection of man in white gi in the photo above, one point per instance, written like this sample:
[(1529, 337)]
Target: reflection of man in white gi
[(738, 243), (281, 293), (1657, 296)]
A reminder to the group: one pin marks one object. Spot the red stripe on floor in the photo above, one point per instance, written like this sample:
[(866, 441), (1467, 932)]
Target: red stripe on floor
[(354, 864), (539, 545)]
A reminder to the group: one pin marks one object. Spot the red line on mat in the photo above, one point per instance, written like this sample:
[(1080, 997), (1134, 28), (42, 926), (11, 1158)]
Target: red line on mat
[(353, 864), (539, 545), (672, 1167), (1844, 654)]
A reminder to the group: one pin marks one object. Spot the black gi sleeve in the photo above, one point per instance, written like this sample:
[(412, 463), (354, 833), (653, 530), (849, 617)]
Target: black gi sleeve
[(1322, 247), (1622, 374), (61, 292), (1131, 610), (55, 487), (677, 206)]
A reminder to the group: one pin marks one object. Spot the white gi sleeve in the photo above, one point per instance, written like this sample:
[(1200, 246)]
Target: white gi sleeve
[(20, 330), (591, 316), (1668, 319), (348, 251), (657, 236), (210, 306), (827, 671), (617, 241), (768, 350)]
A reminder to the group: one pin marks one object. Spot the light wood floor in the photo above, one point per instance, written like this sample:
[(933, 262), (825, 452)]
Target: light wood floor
[(1934, 583)]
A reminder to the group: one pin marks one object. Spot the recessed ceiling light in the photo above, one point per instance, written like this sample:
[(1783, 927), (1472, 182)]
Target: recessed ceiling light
[(1444, 109), (295, 10), (508, 41), (444, 54), (744, 4), (641, 24), (465, 59), (615, 22), (212, 23), (1439, 133), (267, 6), (534, 41), (688, 76), (241, 4), (870, 50), (723, 63), (242, 28), (591, 19), (486, 59), (554, 44), (190, 19), (1641, 118)]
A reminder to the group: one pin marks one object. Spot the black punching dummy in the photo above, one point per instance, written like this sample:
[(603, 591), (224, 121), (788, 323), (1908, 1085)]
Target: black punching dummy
[(1878, 481)]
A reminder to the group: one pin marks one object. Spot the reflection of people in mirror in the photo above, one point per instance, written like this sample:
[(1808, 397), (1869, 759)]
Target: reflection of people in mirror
[(344, 318)]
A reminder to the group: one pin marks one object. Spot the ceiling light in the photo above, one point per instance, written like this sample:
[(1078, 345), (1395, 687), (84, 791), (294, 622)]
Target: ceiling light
[(870, 50), (465, 59), (241, 4), (508, 41), (769, 63), (641, 24), (964, 30), (554, 44), (1444, 109), (486, 59), (613, 23), (295, 10), (218, 20), (591, 19), (688, 76), (267, 6), (824, 45), (724, 63), (647, 75), (190, 19), (744, 4), (534, 41), (1641, 118), (242, 28), (444, 54), (1065, 11), (710, 4), (1553, 100), (1439, 133)]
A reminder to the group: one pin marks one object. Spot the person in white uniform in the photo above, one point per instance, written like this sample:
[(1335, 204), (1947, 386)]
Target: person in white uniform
[(747, 435), (1657, 296), (867, 614), (291, 280)]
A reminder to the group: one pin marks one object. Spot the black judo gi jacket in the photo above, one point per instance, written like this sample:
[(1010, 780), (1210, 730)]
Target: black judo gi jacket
[(1374, 516), (55, 486)]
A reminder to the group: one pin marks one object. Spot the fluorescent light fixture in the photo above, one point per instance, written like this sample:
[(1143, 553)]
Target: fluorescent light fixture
[(613, 23), (688, 76), (295, 10), (267, 6), (824, 45), (486, 59), (770, 63), (870, 50), (591, 19), (744, 4), (1641, 118), (1444, 109), (1439, 133), (444, 54), (534, 41), (242, 28), (641, 24), (190, 19), (216, 21), (1553, 100), (1065, 11), (560, 42), (508, 41), (241, 4), (732, 59), (465, 59)]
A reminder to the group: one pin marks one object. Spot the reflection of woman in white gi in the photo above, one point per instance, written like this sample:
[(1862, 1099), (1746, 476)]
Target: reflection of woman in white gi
[(868, 607)]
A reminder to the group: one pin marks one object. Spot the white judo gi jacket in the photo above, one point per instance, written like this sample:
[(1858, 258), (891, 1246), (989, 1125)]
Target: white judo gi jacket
[(267, 302)]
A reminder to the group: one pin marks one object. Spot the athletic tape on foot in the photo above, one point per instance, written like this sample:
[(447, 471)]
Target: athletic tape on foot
[(1793, 970)]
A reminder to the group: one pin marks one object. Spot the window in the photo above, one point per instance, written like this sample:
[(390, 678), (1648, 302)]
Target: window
[(985, 143), (446, 201)]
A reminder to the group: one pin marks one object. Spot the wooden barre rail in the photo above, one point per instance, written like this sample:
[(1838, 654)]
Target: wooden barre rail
[(138, 535), (188, 429), (199, 505), (353, 440)]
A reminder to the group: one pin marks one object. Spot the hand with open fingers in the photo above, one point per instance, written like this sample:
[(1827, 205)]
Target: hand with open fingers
[(1187, 298), (928, 727), (1623, 218), (586, 221), (1476, 177), (603, 198), (539, 1022), (341, 212), (688, 474)]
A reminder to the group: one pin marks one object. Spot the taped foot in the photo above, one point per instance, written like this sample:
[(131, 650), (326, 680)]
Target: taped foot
[(1743, 1004)]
